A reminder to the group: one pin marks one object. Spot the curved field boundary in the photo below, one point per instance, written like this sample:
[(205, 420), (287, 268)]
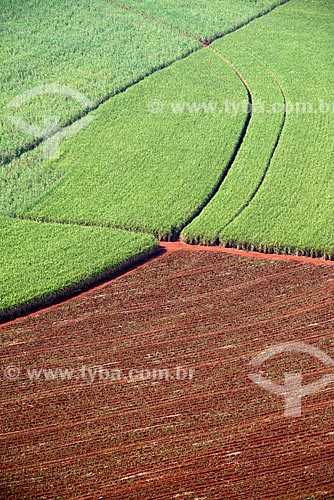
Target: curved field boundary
[(293, 208), (163, 175), (227, 168), (244, 81), (252, 162), (204, 139), (110, 276), (274, 77), (45, 220), (214, 435), (268, 248), (4, 160)]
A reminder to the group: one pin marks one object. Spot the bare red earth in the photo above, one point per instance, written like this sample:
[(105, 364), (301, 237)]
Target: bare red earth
[(169, 247), (215, 436)]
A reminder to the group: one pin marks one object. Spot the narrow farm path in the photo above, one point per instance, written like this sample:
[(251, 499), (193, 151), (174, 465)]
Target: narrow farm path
[(256, 190), (45, 220), (196, 36), (243, 132), (205, 41), (164, 248), (151, 18)]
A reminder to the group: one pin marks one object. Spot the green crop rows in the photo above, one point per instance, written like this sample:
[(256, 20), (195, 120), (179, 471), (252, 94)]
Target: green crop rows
[(255, 152), (38, 259), (143, 170), (293, 210), (92, 47), (201, 18), (95, 48), (176, 133)]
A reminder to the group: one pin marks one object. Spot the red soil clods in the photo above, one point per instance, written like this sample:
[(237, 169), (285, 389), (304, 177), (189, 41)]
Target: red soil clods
[(168, 247), (213, 435)]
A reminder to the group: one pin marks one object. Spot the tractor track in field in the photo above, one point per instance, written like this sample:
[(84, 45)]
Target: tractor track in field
[(236, 150), (279, 135), (45, 220)]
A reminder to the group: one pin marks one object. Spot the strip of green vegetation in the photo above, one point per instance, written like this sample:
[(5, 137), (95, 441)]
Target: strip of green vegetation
[(152, 155), (24, 179), (294, 208), (91, 46), (38, 259), (256, 150), (201, 18)]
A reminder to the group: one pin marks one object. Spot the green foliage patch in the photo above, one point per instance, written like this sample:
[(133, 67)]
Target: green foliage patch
[(293, 210), (92, 47), (201, 18), (38, 259), (256, 150), (152, 155)]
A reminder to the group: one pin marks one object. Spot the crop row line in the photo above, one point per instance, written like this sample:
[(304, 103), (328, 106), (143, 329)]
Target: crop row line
[(4, 160), (279, 135), (150, 18), (204, 41), (175, 233), (44, 220), (238, 145)]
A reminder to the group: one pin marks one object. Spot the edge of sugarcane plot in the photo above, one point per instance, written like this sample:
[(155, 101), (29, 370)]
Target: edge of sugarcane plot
[(291, 209), (253, 159), (147, 168)]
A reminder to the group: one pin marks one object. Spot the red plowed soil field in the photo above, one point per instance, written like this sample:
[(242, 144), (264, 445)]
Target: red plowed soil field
[(118, 428)]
